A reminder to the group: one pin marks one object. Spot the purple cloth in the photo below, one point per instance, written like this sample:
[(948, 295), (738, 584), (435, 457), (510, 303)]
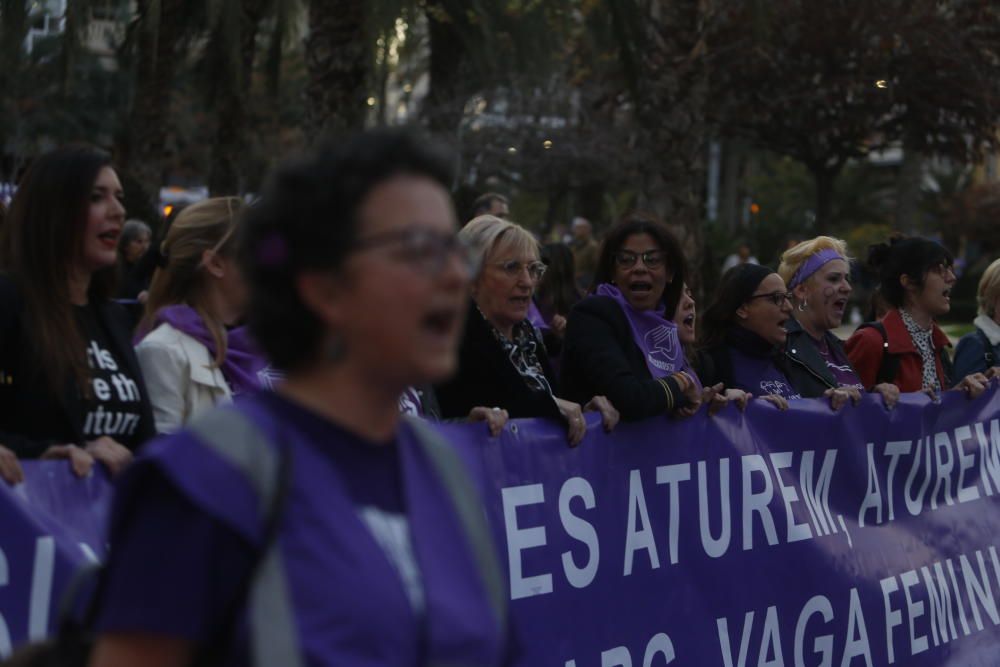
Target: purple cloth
[(654, 335), (840, 368), (535, 316), (813, 264), (351, 604), (244, 368), (759, 376)]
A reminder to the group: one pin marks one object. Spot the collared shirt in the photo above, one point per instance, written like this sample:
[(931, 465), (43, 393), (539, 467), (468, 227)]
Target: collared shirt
[(923, 341)]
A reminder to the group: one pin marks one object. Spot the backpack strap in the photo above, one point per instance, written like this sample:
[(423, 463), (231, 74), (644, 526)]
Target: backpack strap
[(468, 505), (889, 367), (988, 354), (273, 635)]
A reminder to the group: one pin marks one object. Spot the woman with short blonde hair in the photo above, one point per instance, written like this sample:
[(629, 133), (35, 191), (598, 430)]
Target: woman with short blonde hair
[(979, 350), (192, 361), (818, 275)]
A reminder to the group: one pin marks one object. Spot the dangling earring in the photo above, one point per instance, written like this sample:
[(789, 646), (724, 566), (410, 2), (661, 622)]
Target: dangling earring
[(804, 306)]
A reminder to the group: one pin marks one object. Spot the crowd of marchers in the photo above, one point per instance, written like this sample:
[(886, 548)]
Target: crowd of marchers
[(347, 296)]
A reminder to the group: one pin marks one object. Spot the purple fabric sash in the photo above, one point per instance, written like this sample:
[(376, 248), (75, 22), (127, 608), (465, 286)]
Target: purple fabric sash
[(654, 335), (244, 368), (535, 316), (813, 264)]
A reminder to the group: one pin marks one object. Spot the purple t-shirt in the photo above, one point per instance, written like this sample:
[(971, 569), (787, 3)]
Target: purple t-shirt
[(356, 572), (759, 376), (839, 367)]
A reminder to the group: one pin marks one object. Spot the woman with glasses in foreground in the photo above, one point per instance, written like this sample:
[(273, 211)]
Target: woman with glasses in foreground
[(620, 341), (502, 360), (370, 555), (743, 334)]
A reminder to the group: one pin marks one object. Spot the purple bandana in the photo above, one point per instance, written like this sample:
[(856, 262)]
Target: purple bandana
[(813, 264), (654, 335), (244, 368)]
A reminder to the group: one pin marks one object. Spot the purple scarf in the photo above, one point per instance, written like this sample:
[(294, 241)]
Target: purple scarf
[(535, 316), (654, 335), (244, 368)]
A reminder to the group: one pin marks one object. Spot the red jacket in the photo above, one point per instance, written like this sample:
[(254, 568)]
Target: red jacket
[(865, 348)]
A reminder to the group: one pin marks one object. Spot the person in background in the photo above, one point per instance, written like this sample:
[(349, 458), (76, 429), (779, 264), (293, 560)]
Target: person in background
[(743, 334), (817, 272), (491, 203), (193, 350), (685, 317), (741, 256), (502, 360), (619, 341), (907, 348), (979, 350), (357, 288), (556, 295), (585, 252), (132, 246), (70, 385)]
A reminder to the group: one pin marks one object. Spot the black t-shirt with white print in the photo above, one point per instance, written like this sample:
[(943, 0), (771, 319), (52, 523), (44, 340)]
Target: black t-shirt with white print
[(113, 407)]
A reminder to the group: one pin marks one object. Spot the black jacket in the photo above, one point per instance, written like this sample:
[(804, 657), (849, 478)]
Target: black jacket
[(600, 358), (32, 417), (486, 377), (803, 364)]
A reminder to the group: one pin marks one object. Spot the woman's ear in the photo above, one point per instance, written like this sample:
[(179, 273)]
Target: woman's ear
[(800, 291), (322, 294), (742, 312), (212, 262)]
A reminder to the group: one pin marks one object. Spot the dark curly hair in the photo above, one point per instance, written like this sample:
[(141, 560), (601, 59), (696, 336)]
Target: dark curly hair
[(307, 220), (905, 256), (641, 222)]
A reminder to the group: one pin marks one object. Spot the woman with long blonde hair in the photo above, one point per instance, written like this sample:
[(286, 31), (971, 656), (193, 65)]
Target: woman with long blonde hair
[(194, 353)]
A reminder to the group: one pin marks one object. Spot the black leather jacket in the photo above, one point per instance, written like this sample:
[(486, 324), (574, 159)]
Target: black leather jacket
[(804, 366)]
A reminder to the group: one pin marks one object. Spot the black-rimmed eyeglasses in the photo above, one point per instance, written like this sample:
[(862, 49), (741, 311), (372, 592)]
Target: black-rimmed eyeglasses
[(777, 298)]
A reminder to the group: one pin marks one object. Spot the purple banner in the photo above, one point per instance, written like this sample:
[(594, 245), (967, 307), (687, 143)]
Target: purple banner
[(50, 525), (865, 537)]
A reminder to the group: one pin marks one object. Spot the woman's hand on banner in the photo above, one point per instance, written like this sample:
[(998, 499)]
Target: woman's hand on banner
[(10, 468), (889, 392), (841, 395), (79, 460), (495, 418), (111, 453), (776, 400), (609, 415)]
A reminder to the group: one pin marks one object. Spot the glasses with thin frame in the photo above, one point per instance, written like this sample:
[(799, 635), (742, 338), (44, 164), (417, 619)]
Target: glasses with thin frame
[(514, 268), (777, 298), (425, 250), (652, 259)]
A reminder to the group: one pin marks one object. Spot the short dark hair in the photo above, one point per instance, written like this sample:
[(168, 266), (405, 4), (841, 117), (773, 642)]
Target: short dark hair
[(641, 222), (905, 256), (307, 220), (484, 203)]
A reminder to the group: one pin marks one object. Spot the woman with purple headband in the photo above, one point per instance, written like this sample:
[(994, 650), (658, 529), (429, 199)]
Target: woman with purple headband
[(818, 273)]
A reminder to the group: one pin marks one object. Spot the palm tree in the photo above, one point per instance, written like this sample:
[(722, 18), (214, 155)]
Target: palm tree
[(339, 60)]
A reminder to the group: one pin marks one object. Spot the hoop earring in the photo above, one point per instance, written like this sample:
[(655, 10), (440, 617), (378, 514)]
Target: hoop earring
[(804, 306)]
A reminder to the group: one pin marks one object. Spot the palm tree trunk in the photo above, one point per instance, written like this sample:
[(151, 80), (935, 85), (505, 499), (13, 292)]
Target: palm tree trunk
[(671, 92), (338, 61), (144, 153)]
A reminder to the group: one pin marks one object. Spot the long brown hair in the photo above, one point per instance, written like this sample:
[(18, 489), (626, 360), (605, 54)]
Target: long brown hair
[(40, 243), (207, 225)]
